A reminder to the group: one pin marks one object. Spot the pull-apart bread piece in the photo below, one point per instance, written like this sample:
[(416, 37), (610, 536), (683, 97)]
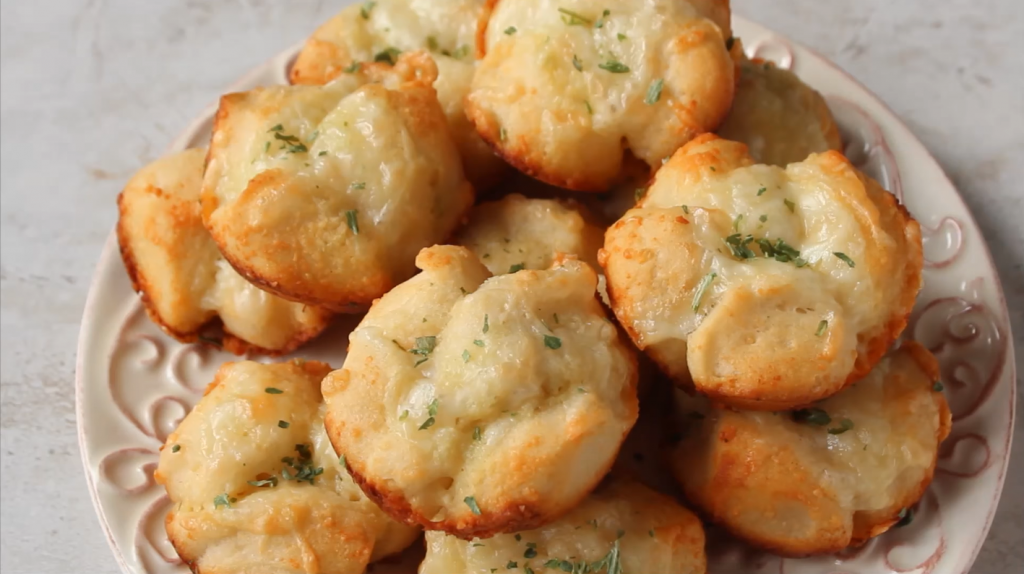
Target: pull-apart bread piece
[(819, 479), (781, 119), (184, 281), (516, 233), (379, 31), (257, 488), (565, 87), (479, 405), (623, 527), (765, 288), (324, 194)]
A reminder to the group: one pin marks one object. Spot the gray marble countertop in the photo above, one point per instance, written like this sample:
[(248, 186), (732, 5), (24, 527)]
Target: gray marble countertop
[(93, 89)]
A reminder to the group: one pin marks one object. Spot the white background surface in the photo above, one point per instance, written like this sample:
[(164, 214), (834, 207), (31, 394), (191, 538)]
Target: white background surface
[(93, 89)]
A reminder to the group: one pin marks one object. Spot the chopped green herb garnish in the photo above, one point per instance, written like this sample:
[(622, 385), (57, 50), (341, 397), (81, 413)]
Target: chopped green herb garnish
[(284, 424), (654, 92), (844, 425), (404, 415), (736, 222), (518, 537), (530, 553), (577, 63), (432, 408), (738, 245), (812, 415), (424, 346), (477, 545), (357, 185), (844, 258), (461, 52), (365, 9), (312, 137), (821, 328), (790, 205), (321, 154), (268, 482), (478, 342), (177, 447), (906, 516), (389, 55), (223, 500), (510, 30), (511, 565), (517, 267), (573, 19), (590, 110), (273, 391), (620, 36), (465, 356), (353, 222), (701, 288), (555, 317), (276, 128), (351, 68), (487, 327), (476, 433), (471, 503), (432, 44), (762, 190), (427, 424), (600, 21), (552, 342), (686, 210), (763, 218), (614, 66), (937, 387)]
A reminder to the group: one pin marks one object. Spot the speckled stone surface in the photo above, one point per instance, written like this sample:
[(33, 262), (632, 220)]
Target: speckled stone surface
[(93, 89)]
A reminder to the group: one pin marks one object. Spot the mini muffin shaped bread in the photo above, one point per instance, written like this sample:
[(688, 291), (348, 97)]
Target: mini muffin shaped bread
[(565, 87), (518, 233), (781, 119), (479, 405), (324, 194), (764, 288), (623, 527), (184, 281), (256, 487), (817, 480), (380, 30)]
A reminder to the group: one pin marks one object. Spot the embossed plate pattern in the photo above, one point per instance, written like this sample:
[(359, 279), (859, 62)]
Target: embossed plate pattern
[(134, 383)]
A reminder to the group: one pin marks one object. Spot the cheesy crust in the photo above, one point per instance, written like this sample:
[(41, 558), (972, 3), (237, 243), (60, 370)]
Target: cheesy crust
[(818, 480), (366, 31), (184, 282), (622, 522), (257, 488), (324, 194), (563, 89), (764, 288), (475, 404)]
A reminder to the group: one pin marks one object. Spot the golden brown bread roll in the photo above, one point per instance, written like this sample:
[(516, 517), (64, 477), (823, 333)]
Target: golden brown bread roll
[(184, 281), (817, 480), (257, 488), (764, 288), (475, 404)]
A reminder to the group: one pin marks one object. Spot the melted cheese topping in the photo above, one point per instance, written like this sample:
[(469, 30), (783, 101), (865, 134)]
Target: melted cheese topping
[(650, 75), (513, 391), (325, 194), (447, 28), (243, 503), (781, 119), (645, 531), (184, 280), (811, 488), (757, 323), (515, 233)]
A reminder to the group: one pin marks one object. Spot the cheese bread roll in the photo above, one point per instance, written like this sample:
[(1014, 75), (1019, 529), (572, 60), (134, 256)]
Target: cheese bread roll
[(819, 479), (622, 527), (765, 288), (516, 233), (565, 87), (379, 30), (257, 488), (478, 405), (184, 281), (324, 194), (781, 119)]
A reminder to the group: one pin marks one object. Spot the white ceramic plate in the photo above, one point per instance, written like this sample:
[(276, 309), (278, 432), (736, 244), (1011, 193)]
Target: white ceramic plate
[(134, 383)]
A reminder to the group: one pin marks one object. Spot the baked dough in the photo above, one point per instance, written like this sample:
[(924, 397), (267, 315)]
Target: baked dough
[(838, 478), (563, 89), (765, 288), (781, 119), (184, 281), (324, 194), (479, 405), (366, 31), (256, 487), (518, 233), (622, 523)]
